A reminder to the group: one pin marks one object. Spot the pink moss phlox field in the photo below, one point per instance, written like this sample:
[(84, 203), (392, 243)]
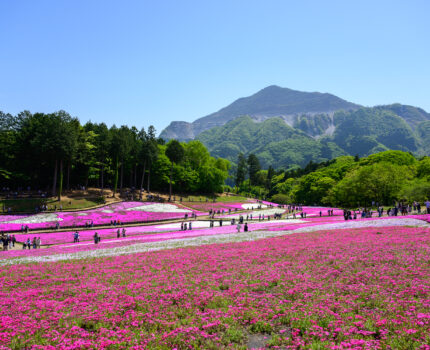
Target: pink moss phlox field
[(123, 212), (141, 234), (365, 288)]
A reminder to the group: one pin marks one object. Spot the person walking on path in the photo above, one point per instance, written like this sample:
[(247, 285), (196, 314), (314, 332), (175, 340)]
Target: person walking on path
[(238, 227)]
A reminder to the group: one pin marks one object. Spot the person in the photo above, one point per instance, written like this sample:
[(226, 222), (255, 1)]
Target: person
[(238, 227), (96, 238), (246, 227), (427, 203), (118, 233), (38, 242), (220, 222), (13, 240), (123, 232), (189, 226), (185, 226), (182, 226), (28, 243), (34, 242)]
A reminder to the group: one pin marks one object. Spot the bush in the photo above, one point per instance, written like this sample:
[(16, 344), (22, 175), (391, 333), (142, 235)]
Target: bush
[(281, 198)]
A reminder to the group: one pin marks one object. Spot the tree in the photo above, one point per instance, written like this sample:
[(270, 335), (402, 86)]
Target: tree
[(175, 153), (313, 187), (149, 154), (270, 174), (378, 182), (102, 149), (253, 168), (415, 190), (241, 169), (120, 145)]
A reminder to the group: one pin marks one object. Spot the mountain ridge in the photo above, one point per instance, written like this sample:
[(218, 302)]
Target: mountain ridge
[(289, 128), (272, 101)]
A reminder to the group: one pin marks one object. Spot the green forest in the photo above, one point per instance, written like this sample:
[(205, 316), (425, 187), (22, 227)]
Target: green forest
[(322, 137), (54, 152), (345, 181)]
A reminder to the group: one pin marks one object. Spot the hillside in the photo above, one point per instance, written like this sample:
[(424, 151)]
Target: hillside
[(363, 132), (273, 141), (272, 101)]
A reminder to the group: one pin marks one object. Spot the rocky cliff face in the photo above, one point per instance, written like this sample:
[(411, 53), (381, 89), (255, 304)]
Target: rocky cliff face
[(178, 130)]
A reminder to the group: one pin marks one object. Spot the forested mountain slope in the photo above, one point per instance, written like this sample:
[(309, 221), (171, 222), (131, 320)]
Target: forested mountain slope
[(287, 128)]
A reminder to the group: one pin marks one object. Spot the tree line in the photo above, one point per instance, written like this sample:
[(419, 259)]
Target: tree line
[(346, 181), (54, 152)]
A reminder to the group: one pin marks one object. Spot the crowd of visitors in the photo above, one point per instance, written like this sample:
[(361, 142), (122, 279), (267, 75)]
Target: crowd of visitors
[(8, 241)]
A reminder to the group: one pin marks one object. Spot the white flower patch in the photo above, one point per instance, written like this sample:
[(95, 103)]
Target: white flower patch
[(255, 214), (108, 211), (160, 208), (82, 214), (365, 223), (177, 225), (252, 206), (36, 219), (290, 221)]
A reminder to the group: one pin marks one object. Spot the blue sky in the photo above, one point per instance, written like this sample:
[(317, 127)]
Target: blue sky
[(151, 62)]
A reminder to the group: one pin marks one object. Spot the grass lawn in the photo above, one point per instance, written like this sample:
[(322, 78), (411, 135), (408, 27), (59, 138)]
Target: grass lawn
[(29, 204)]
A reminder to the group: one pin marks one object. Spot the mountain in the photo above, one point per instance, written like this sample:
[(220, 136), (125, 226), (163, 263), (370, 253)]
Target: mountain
[(287, 128), (272, 101), (363, 132), (273, 141)]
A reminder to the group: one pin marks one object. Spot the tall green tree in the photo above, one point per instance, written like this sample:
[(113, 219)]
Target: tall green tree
[(253, 168), (152, 152), (270, 174), (175, 152), (241, 170)]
